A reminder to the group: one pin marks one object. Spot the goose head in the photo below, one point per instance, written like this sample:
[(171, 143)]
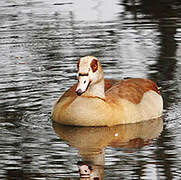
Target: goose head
[(90, 73)]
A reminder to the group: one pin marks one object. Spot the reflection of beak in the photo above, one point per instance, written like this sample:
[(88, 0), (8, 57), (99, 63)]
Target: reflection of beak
[(82, 85), (84, 170)]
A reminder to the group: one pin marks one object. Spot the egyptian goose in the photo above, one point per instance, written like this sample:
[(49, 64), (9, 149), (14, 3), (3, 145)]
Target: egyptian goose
[(95, 101)]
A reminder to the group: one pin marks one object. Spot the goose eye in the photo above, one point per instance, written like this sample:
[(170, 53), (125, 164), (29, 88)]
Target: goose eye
[(84, 81)]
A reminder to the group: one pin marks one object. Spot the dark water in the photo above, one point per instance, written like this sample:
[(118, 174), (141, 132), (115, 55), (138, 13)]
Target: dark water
[(40, 43)]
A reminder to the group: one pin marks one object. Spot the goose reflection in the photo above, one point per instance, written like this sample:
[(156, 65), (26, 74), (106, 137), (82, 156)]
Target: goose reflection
[(92, 141)]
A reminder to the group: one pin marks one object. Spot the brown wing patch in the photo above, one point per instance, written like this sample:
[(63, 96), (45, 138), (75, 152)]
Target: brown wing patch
[(108, 83), (94, 65), (132, 89)]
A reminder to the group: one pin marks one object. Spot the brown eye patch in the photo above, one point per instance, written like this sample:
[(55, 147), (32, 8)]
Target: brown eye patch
[(94, 65)]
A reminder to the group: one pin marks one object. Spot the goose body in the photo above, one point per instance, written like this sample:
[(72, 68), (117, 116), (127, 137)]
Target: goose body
[(95, 101)]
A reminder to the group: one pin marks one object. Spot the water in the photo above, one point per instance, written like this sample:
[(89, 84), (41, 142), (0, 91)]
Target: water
[(40, 43)]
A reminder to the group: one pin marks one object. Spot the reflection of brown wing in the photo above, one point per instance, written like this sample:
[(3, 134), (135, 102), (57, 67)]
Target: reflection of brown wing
[(131, 89), (96, 138), (133, 143)]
